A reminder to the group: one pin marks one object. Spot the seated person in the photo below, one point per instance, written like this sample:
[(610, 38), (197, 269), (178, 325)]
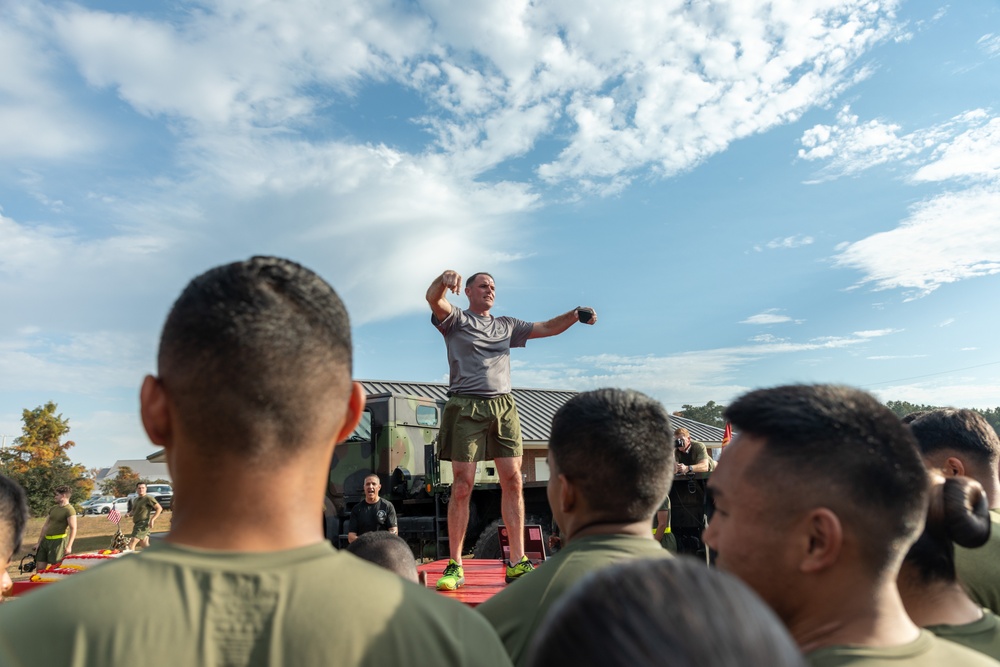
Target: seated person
[(630, 614), (958, 513), (691, 455), (388, 551)]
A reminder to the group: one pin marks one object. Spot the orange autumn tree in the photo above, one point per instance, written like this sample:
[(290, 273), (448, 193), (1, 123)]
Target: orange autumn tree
[(39, 462)]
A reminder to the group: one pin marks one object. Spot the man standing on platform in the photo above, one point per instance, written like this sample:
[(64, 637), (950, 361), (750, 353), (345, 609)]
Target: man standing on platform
[(480, 420)]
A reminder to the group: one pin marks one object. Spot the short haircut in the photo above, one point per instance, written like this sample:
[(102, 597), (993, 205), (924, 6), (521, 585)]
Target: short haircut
[(472, 278), (386, 550), (13, 516), (838, 447), (615, 445), (62, 489), (958, 512), (681, 432), (138, 484), (371, 475), (662, 611), (965, 431), (254, 353)]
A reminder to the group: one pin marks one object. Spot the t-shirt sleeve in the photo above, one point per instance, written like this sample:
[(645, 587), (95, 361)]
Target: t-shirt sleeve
[(448, 323), (391, 518), (699, 451), (520, 332), (352, 522)]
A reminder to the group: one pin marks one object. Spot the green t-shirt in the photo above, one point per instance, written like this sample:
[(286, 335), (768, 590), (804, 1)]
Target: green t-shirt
[(142, 508), (517, 611), (982, 635), (926, 651), (979, 569), (59, 519), (172, 605), (696, 454)]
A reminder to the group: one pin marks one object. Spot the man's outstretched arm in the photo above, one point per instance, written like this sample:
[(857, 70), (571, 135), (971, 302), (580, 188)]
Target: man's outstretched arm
[(558, 324), (437, 293)]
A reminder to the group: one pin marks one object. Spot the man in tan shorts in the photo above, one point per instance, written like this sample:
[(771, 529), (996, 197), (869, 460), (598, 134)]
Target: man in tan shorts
[(480, 419)]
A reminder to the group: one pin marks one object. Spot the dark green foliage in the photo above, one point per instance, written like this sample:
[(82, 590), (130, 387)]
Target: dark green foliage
[(710, 413)]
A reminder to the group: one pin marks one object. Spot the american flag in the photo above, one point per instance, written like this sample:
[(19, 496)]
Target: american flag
[(114, 517)]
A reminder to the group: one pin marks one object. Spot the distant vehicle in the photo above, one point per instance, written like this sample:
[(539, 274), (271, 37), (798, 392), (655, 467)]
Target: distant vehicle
[(99, 505)]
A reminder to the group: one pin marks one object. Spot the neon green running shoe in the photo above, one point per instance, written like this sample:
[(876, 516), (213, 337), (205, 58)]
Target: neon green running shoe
[(452, 578), (518, 569)]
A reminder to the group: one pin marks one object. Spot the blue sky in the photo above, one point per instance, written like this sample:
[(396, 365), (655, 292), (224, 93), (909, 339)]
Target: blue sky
[(748, 193)]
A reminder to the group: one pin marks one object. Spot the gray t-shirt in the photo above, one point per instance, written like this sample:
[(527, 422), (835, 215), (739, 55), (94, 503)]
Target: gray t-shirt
[(479, 351)]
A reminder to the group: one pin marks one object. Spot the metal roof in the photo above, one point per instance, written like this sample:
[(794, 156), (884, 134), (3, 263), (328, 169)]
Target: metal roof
[(535, 407)]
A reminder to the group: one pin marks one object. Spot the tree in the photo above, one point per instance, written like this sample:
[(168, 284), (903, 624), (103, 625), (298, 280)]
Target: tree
[(123, 483), (710, 413), (38, 461), (903, 408)]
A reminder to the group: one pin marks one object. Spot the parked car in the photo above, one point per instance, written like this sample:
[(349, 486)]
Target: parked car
[(99, 505)]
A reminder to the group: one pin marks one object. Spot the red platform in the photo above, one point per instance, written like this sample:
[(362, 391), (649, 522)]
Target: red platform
[(483, 579)]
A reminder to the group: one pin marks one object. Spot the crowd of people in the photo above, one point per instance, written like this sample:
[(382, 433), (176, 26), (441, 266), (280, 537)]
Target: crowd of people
[(834, 527)]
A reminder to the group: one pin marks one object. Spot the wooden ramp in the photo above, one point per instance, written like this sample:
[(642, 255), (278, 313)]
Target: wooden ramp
[(483, 579)]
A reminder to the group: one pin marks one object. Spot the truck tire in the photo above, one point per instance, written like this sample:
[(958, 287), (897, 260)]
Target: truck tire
[(488, 544)]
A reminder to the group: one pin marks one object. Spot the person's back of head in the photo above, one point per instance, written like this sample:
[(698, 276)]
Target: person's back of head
[(671, 611), (13, 518), (386, 550), (947, 431), (837, 447), (256, 355), (616, 445), (957, 513)]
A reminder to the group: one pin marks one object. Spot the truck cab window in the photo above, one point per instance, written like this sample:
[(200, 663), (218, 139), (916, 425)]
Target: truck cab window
[(427, 415), (363, 432)]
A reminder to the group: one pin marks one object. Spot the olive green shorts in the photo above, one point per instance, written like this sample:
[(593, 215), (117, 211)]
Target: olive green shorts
[(140, 530), (478, 429), (51, 551)]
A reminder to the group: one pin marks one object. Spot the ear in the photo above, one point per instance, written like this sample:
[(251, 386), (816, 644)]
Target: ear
[(355, 408), (154, 407), (825, 540), (568, 495), (953, 466)]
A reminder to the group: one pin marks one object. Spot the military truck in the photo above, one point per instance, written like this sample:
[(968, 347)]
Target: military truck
[(397, 440)]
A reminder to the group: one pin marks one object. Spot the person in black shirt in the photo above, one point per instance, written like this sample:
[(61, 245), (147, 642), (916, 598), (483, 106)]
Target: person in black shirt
[(373, 514)]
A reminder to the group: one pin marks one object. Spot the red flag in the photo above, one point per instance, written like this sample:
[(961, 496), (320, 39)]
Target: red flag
[(727, 435), (114, 517)]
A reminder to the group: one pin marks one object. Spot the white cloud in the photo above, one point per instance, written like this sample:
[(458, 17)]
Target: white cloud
[(974, 154), (990, 43), (950, 237), (947, 322), (767, 317), (876, 333), (689, 377), (888, 357), (788, 242), (620, 86), (37, 119)]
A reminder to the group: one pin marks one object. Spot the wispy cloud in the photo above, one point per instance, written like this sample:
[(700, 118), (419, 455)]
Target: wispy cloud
[(786, 242), (770, 316), (951, 237), (990, 43)]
